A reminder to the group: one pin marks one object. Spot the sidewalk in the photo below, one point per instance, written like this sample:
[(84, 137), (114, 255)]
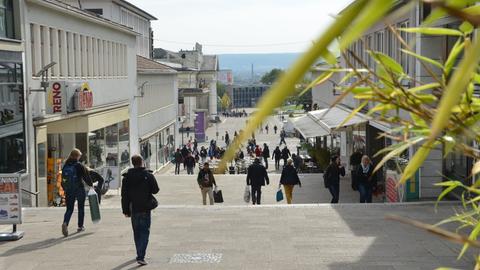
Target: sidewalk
[(303, 237)]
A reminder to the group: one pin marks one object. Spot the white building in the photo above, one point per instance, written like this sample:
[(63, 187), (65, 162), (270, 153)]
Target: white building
[(124, 13), (157, 112), (87, 102)]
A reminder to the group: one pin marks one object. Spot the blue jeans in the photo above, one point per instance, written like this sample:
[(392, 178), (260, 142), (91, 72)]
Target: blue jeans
[(335, 191), (141, 231), (79, 195), (365, 193)]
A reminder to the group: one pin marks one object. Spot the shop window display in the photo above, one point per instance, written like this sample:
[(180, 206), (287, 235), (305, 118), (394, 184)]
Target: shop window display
[(123, 144)]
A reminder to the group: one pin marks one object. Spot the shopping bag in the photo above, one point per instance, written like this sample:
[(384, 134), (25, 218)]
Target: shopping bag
[(94, 207), (279, 195), (217, 196), (246, 194)]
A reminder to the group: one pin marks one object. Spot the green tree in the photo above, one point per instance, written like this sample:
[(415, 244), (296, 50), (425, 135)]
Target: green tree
[(225, 101), (221, 89), (271, 76)]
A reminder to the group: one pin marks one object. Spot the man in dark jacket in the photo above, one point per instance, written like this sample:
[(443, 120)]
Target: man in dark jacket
[(285, 155), (227, 138), (277, 155), (332, 178), (73, 172), (138, 187), (206, 182), (190, 162), (256, 177), (184, 152), (178, 160), (266, 154)]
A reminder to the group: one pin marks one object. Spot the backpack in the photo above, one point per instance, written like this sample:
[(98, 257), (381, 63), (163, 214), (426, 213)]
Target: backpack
[(70, 179)]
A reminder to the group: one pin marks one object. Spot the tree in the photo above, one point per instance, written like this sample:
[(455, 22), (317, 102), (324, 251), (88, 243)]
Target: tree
[(221, 89), (225, 101), (271, 76)]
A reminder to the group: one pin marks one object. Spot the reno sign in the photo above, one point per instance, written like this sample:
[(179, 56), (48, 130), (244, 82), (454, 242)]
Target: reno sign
[(56, 102)]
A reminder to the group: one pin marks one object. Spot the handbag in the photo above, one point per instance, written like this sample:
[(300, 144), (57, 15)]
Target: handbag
[(246, 194), (217, 196), (279, 195), (152, 203)]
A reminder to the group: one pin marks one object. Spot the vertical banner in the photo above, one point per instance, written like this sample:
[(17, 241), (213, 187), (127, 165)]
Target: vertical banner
[(10, 199), (200, 126), (393, 192)]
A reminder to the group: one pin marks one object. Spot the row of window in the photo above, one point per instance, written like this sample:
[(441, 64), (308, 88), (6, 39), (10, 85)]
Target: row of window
[(139, 25), (383, 41), (76, 55)]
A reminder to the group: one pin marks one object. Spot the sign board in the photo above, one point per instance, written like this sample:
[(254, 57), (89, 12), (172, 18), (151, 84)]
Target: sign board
[(343, 144), (200, 126), (83, 98), (56, 96), (393, 191), (10, 199)]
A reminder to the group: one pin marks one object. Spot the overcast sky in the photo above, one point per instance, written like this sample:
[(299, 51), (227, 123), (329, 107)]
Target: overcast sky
[(239, 26)]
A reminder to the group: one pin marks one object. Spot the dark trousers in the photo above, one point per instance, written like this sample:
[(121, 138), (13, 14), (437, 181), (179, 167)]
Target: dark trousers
[(177, 167), (256, 194), (266, 162), (79, 195), (282, 140), (285, 162), (335, 191), (365, 193), (190, 170), (141, 232), (277, 164)]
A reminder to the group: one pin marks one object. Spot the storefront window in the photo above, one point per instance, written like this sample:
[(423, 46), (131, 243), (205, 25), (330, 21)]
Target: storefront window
[(97, 148), (160, 150), (123, 144), (6, 19), (12, 135)]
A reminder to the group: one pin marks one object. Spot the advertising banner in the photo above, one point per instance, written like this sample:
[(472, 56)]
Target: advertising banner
[(10, 199), (111, 174), (200, 126), (56, 96)]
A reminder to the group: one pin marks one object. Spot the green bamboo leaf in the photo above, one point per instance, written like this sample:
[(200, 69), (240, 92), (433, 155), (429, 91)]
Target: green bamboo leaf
[(473, 10), (424, 59), (452, 57), (352, 114), (448, 183), (371, 14), (417, 161), (424, 87), (466, 28), (432, 31), (361, 90), (319, 80), (445, 192), (476, 168), (434, 17), (473, 236), (285, 85), (457, 85), (449, 144), (388, 62), (418, 121), (329, 58), (397, 151)]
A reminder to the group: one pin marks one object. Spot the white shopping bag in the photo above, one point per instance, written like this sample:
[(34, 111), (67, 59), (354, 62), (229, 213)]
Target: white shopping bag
[(246, 194)]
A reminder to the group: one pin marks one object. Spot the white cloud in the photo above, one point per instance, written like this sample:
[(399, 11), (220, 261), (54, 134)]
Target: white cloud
[(228, 26)]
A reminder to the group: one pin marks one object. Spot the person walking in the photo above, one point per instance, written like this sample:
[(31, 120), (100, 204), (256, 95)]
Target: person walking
[(332, 178), (285, 155), (227, 138), (289, 179), (277, 155), (206, 182), (190, 162), (195, 145), (258, 151), (74, 174), (265, 154), (203, 154), (257, 176), (283, 134), (266, 128), (365, 179), (178, 160), (138, 187), (184, 152), (275, 129)]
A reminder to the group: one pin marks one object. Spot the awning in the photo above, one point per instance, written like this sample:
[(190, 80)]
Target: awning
[(332, 118), (309, 127)]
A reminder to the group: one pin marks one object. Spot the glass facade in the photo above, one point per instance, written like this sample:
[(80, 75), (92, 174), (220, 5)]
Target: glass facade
[(12, 127), (158, 149), (7, 29)]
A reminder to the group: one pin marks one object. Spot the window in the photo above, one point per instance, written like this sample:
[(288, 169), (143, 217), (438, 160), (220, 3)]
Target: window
[(7, 29), (403, 58), (97, 11)]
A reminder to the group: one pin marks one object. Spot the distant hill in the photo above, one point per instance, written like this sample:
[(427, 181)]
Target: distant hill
[(241, 64)]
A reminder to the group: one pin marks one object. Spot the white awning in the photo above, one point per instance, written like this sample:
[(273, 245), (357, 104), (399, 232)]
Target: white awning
[(332, 118), (309, 127)]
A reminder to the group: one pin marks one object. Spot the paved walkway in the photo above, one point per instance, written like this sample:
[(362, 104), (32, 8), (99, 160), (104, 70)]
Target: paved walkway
[(282, 237)]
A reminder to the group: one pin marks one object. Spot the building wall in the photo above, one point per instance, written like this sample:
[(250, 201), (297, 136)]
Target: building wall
[(157, 108)]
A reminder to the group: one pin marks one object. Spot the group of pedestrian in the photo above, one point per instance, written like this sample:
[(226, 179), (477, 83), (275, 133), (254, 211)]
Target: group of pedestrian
[(364, 179)]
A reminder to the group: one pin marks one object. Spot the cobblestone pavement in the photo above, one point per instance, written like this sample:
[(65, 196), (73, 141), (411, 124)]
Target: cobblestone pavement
[(239, 237)]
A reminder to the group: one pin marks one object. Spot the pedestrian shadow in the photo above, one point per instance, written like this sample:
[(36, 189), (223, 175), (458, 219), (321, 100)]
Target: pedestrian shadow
[(42, 244), (126, 264)]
